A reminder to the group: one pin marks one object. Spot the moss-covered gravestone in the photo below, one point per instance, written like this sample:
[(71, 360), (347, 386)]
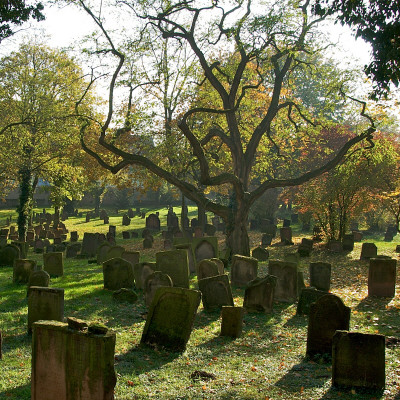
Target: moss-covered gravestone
[(216, 292), (154, 281), (189, 250), (53, 263), (72, 362), (368, 250), (320, 275), (286, 285), (232, 321), (22, 270), (141, 271), (205, 247), (45, 304), (102, 252), (244, 269), (38, 278), (8, 254), (306, 298), (118, 274), (90, 243), (131, 256), (170, 319), (206, 268), (382, 277), (358, 360), (259, 294), (114, 252), (174, 263)]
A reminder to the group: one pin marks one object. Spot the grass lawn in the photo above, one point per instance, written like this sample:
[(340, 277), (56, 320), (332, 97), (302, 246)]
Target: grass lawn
[(267, 362)]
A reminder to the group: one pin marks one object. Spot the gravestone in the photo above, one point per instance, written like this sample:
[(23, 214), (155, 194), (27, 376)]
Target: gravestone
[(126, 235), (269, 229), (382, 277), (112, 230), (70, 362), (102, 252), (89, 244), (210, 229), (327, 315), (73, 250), (126, 220), (348, 242), (53, 263), (206, 247), (167, 244), (320, 275), (170, 318), (232, 321), (154, 281), (8, 254), (45, 303), (114, 252), (266, 239), (220, 265), (335, 246), (153, 222), (175, 264), (259, 294), (147, 243), (88, 217), (305, 247), (368, 250), (287, 277), (286, 223), (22, 270), (106, 220), (216, 292), (198, 232), (358, 360), (103, 214), (306, 298), (141, 271), (38, 278), (125, 295), (243, 270), (131, 213), (286, 235), (260, 254), (206, 269), (131, 256), (189, 250), (118, 274), (358, 236)]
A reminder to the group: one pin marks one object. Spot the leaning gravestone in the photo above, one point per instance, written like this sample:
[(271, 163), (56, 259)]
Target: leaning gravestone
[(260, 253), (170, 318), (53, 263), (286, 285), (45, 304), (206, 247), (206, 269), (358, 360), (320, 275), (154, 281), (70, 362), (232, 321), (220, 265), (175, 264), (141, 271), (327, 315), (102, 252), (306, 298), (382, 277), (131, 256), (244, 269), (368, 250), (259, 294), (22, 270), (118, 274), (9, 254), (216, 292)]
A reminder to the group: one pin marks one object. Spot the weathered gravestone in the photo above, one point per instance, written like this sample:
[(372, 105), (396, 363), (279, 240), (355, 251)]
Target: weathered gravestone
[(220, 265), (118, 274), (266, 239), (112, 230), (9, 254), (141, 271), (206, 269), (260, 253), (287, 279), (102, 252), (175, 264), (382, 277), (126, 220), (38, 278), (327, 315), (286, 223), (368, 250), (126, 235), (22, 270), (320, 275), (269, 228), (74, 236), (335, 246), (348, 242), (73, 250), (153, 222), (189, 250), (243, 270), (147, 243), (232, 321), (154, 281), (53, 263), (170, 318), (70, 362), (358, 360), (358, 236), (306, 298), (131, 213), (103, 214), (259, 294), (45, 303), (305, 247), (114, 252), (89, 244), (206, 247), (131, 256), (210, 229), (286, 235), (216, 292)]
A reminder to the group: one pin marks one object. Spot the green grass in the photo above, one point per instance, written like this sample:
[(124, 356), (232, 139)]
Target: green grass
[(267, 362)]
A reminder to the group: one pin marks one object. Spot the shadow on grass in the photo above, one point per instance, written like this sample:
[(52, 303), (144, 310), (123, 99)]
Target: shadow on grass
[(306, 374), (22, 392), (373, 303), (344, 392), (298, 321), (13, 342)]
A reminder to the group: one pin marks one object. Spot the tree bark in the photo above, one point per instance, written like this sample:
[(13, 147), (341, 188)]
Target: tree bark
[(201, 216), (25, 202)]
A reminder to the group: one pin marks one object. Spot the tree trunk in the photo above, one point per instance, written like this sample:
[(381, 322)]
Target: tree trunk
[(25, 202), (183, 213), (56, 220), (201, 216)]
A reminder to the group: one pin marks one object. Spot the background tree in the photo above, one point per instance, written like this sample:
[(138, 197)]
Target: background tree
[(267, 49), (39, 88)]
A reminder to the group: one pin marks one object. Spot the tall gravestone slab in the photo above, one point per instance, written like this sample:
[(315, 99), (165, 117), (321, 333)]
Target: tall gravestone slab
[(131, 256), (22, 270), (207, 268), (45, 304), (320, 275), (188, 248), (216, 292), (89, 244), (141, 271), (243, 270), (170, 318), (8, 254), (259, 294), (232, 321), (306, 298), (286, 284), (382, 277), (286, 235), (175, 264), (72, 364), (53, 263), (154, 281), (153, 222), (118, 274), (327, 315), (358, 360), (368, 250), (348, 242), (206, 247)]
